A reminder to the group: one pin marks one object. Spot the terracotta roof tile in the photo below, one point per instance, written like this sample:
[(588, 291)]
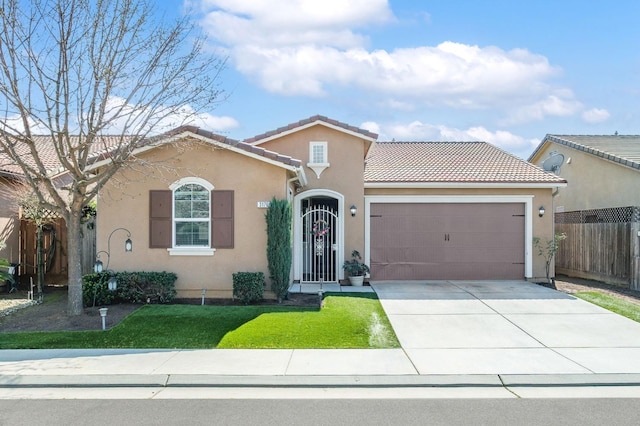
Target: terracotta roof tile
[(102, 149), (48, 155), (449, 162), (308, 121)]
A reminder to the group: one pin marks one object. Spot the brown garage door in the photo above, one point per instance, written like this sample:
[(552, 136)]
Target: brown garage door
[(456, 241)]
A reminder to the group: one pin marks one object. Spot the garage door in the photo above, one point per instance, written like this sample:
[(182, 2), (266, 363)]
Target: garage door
[(454, 241)]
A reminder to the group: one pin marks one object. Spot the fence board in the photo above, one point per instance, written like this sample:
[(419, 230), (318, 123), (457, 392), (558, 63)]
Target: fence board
[(59, 264), (595, 250)]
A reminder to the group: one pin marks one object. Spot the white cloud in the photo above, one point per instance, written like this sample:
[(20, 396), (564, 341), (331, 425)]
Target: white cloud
[(595, 115), (130, 118), (371, 126), (553, 105), (311, 48), (418, 131), (291, 22)]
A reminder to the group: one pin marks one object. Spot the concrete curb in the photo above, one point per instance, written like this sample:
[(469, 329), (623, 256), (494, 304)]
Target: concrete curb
[(435, 381)]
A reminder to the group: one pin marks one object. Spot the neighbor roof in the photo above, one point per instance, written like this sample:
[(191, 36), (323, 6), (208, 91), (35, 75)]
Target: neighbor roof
[(622, 149), (450, 162), (48, 156), (308, 122)]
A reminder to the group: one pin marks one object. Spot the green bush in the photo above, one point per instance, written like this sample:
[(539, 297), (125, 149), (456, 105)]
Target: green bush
[(95, 290), (146, 287), (133, 287), (278, 219), (248, 286)]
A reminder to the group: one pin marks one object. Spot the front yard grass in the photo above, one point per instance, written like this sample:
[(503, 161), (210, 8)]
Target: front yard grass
[(614, 304), (346, 321)]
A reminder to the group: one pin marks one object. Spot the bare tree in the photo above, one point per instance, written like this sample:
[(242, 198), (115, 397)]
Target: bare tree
[(74, 71)]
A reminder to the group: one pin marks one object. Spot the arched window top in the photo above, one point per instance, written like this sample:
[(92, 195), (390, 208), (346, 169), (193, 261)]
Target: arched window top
[(191, 180)]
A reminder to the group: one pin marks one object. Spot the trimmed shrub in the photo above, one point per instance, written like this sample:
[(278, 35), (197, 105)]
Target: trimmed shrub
[(248, 286), (147, 287), (133, 287), (278, 219), (95, 290)]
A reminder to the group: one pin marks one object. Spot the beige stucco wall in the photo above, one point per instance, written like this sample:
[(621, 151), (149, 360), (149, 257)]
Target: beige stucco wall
[(542, 227), (592, 182), (127, 206), (345, 175), (9, 222)]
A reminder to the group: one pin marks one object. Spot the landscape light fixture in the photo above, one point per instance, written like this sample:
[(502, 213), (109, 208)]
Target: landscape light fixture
[(98, 266)]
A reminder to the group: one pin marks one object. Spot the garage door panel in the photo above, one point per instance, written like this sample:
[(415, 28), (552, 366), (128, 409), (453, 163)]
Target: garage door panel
[(447, 241)]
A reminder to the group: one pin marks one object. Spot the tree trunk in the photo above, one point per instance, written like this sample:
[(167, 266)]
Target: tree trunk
[(74, 250)]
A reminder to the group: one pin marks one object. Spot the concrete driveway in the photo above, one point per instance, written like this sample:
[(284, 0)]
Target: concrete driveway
[(506, 327)]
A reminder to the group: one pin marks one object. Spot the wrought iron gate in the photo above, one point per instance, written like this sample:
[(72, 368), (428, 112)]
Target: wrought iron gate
[(319, 226)]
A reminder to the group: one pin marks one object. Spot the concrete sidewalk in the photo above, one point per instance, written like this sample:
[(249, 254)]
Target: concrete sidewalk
[(453, 334)]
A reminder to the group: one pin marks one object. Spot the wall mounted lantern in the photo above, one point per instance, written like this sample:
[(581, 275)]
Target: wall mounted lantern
[(541, 211), (353, 210)]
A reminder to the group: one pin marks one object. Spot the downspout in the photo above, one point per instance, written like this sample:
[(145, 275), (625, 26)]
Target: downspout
[(553, 226), (300, 177)]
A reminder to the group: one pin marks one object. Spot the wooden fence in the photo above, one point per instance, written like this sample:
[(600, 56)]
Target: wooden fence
[(55, 249), (602, 244)]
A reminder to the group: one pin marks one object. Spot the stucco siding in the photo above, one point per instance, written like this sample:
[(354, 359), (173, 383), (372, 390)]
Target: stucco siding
[(344, 175), (127, 206), (592, 182)]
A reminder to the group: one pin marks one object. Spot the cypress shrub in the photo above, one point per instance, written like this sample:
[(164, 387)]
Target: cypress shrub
[(278, 219)]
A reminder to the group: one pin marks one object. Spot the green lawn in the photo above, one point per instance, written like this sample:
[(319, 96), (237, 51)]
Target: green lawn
[(612, 303), (347, 320)]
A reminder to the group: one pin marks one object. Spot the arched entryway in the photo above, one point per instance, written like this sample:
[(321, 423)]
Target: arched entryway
[(318, 237)]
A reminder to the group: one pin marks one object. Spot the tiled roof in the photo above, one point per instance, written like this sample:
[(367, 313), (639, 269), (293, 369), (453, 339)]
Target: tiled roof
[(308, 121), (449, 162), (101, 150), (47, 154), (244, 146), (622, 149)]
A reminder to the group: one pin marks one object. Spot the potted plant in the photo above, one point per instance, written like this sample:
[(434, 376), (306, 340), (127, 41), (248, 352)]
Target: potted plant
[(355, 268)]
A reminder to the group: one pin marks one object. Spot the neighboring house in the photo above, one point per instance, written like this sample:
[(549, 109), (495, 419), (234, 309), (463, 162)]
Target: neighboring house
[(599, 210), (416, 210), (9, 220), (601, 171)]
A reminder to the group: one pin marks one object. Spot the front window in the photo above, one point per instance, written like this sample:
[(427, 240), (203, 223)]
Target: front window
[(192, 216)]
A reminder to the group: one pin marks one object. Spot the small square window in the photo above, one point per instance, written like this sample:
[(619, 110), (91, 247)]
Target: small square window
[(318, 153)]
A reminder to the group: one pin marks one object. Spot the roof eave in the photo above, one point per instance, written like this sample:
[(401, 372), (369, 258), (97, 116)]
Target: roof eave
[(182, 135), (477, 185), (311, 124)]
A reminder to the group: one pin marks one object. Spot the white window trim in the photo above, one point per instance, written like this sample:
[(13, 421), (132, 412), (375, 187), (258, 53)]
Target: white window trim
[(189, 250), (318, 168)]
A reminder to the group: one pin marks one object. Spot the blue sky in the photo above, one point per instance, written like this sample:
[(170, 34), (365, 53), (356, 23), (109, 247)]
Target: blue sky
[(505, 72)]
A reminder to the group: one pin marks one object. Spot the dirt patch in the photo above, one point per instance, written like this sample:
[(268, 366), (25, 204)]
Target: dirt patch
[(52, 314), (571, 285)]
